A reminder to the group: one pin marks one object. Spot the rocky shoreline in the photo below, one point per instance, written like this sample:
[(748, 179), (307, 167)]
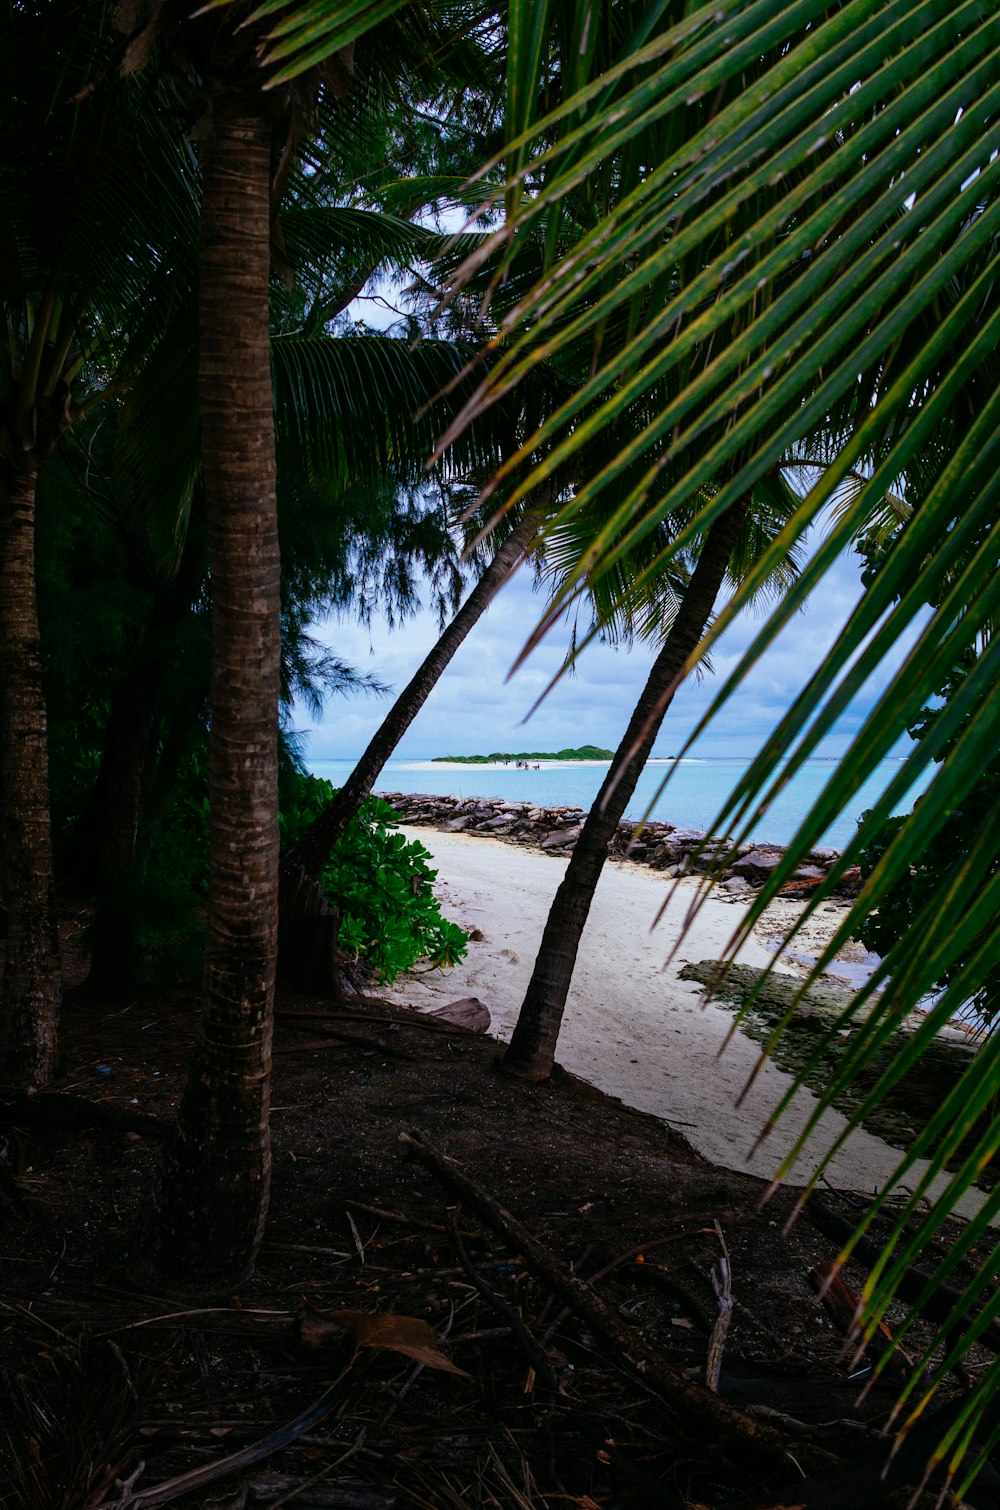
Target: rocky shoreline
[(661, 846)]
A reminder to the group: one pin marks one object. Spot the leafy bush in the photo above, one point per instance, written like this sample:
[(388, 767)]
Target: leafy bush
[(380, 884)]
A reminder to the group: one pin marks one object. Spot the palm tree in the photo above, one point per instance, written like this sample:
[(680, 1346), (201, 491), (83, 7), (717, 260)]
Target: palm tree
[(212, 1202), (531, 1052), (853, 153), (312, 850), (78, 246)]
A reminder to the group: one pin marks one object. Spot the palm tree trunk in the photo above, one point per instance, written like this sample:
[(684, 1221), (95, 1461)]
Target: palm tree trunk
[(531, 1052), (313, 849), (213, 1198), (32, 985)]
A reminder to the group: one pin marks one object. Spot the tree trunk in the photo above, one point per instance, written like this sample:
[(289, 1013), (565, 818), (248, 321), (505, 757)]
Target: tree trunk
[(212, 1202), (531, 1052), (313, 849), (32, 987)]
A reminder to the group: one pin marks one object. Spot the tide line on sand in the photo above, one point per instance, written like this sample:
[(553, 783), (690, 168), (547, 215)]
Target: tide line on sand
[(632, 1027)]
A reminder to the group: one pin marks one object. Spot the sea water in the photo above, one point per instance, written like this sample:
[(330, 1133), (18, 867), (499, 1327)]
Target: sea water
[(692, 798)]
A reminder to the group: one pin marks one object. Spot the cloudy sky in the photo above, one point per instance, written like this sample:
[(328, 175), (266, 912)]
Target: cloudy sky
[(475, 708)]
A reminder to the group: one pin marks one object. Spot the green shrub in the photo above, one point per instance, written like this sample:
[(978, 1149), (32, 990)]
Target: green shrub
[(380, 884)]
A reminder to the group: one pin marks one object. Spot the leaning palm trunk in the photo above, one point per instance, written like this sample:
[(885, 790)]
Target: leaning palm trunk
[(29, 1004), (532, 1048), (213, 1198), (313, 849)]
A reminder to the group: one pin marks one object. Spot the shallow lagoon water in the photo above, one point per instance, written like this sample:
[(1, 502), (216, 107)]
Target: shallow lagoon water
[(696, 791)]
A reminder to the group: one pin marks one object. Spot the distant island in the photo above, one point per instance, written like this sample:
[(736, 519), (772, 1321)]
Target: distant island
[(585, 752)]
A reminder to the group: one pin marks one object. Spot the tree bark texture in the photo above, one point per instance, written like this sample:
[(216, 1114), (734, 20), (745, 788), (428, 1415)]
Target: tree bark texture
[(313, 849), (32, 986), (212, 1202), (531, 1052)]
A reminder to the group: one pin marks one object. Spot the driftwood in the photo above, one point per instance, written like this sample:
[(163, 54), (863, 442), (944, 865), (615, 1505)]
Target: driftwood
[(698, 1404), (721, 1279)]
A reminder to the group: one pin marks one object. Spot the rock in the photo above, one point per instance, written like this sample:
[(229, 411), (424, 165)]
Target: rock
[(824, 856), (809, 873), (504, 821), (455, 825), (561, 837), (850, 882), (775, 990), (758, 864), (468, 1013), (735, 884)]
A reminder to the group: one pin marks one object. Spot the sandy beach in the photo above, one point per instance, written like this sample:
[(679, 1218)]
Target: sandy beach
[(631, 1027)]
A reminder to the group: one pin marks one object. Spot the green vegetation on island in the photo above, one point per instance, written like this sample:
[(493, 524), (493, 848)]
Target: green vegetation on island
[(585, 752)]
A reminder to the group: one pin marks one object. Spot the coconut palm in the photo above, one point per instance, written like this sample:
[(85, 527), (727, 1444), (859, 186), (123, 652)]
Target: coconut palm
[(723, 555), (212, 1202), (312, 850), (852, 153), (90, 205)]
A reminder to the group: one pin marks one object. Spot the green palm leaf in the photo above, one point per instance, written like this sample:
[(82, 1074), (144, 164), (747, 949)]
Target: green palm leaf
[(801, 256)]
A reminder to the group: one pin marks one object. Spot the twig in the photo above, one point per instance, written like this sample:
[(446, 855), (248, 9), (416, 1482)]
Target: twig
[(197, 1478), (359, 1245), (25, 1311), (721, 1284), (401, 1217), (645, 1271), (694, 1401), (535, 1354), (324, 1473)]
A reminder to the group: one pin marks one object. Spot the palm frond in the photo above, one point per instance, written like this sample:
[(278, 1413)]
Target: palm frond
[(799, 263)]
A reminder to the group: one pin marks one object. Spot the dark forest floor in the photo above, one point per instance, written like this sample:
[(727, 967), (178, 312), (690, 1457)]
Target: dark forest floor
[(103, 1378)]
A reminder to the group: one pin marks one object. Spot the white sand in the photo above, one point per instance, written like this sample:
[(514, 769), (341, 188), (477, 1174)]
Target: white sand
[(631, 1027)]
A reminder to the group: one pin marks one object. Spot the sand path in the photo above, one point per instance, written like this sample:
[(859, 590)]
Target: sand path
[(631, 1027)]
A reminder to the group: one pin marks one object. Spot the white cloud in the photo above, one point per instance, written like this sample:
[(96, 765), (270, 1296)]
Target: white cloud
[(474, 708)]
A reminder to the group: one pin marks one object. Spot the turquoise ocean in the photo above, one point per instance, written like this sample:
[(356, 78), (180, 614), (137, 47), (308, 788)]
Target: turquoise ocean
[(692, 799)]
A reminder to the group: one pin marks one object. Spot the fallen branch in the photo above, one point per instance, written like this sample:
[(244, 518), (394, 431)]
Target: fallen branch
[(724, 1299), (945, 1304), (402, 1217), (694, 1401), (532, 1350), (898, 1463)]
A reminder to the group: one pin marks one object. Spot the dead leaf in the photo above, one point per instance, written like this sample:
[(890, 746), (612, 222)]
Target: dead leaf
[(408, 1335)]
